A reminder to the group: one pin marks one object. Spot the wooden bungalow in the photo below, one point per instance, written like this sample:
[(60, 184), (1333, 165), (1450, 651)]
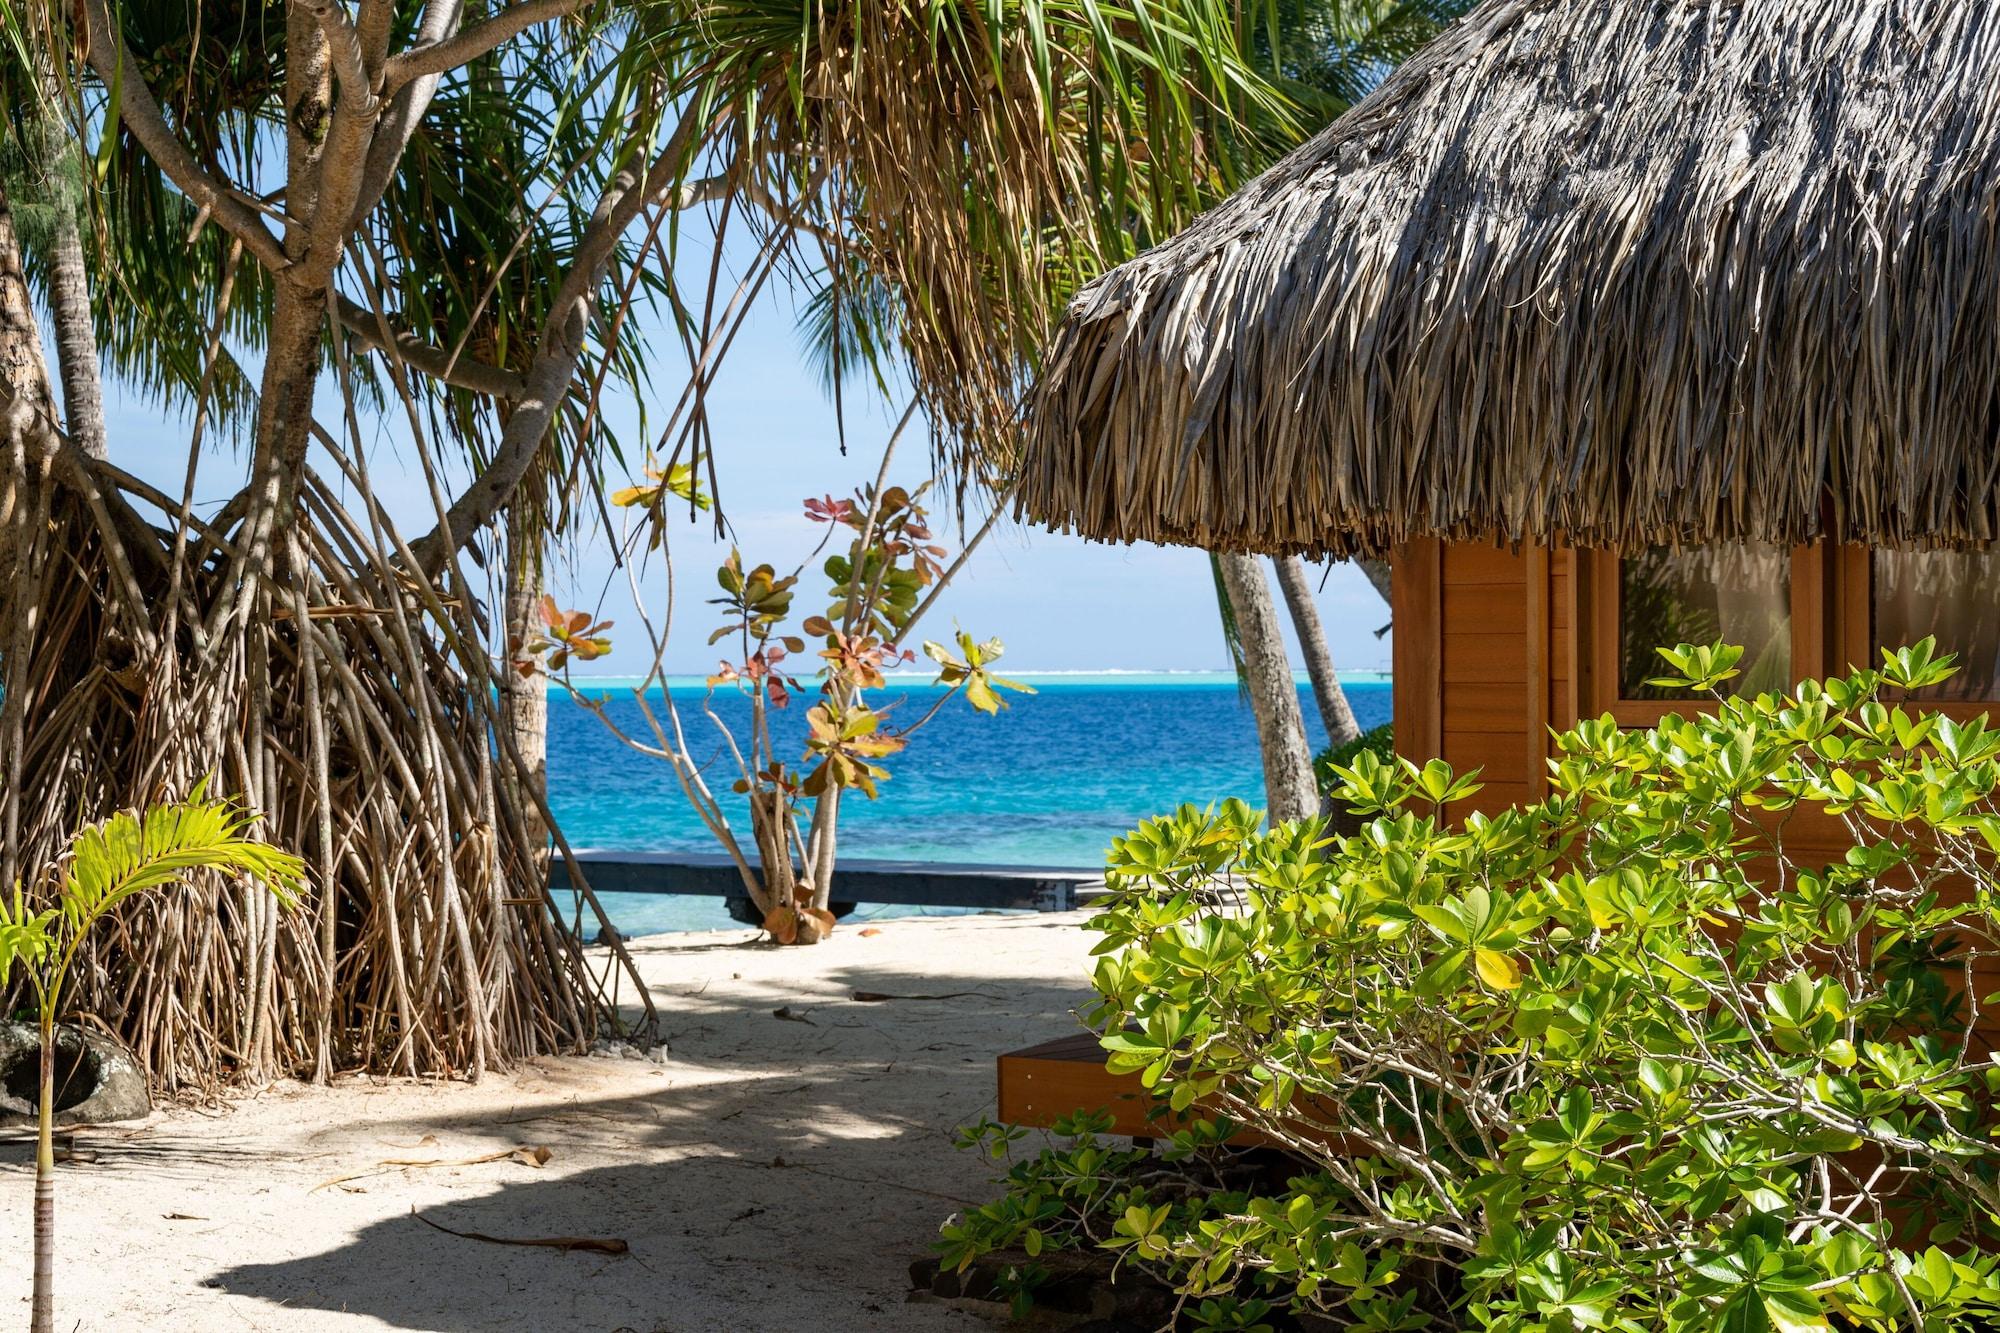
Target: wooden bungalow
[(1611, 325)]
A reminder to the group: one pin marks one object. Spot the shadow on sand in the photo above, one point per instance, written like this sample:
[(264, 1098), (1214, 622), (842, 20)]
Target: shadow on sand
[(784, 1178)]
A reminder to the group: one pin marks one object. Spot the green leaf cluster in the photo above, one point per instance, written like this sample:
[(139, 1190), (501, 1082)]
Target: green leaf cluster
[(1699, 1041), (1379, 741), (120, 858)]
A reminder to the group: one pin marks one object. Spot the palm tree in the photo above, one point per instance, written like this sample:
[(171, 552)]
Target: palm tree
[(47, 186), (1335, 714), (41, 931), (1289, 792), (1328, 54)]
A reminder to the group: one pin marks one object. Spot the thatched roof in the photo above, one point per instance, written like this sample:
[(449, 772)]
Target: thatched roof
[(1611, 270)]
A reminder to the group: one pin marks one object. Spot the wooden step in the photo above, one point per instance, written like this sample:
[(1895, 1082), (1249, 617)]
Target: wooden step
[(1039, 1085)]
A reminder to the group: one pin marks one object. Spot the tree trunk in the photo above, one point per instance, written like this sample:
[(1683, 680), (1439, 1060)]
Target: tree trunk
[(24, 499), (1334, 711), (42, 1317), (526, 698), (51, 160), (76, 337), (1378, 574), (824, 844), (24, 375), (1274, 699)]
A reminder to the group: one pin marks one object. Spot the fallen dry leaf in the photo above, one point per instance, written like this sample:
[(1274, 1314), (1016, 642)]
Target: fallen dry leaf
[(781, 923), (527, 1154), (595, 1244), (815, 924)]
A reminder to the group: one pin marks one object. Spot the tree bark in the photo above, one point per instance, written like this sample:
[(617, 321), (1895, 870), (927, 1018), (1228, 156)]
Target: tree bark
[(1377, 572), (24, 375), (526, 698), (1334, 712), (24, 415), (1274, 699), (53, 159), (76, 336)]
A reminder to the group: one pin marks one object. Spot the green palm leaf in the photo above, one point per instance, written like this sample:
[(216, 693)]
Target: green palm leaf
[(129, 854)]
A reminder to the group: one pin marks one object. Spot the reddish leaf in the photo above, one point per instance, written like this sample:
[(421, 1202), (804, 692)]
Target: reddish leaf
[(781, 923)]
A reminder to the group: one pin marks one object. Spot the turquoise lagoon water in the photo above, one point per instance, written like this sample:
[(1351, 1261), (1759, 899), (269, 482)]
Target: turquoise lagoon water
[(1048, 782)]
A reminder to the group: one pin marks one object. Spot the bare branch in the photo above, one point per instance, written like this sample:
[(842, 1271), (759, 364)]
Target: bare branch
[(436, 57), (141, 113), (385, 334), (406, 106), (344, 46), (372, 28), (559, 348), (692, 194)]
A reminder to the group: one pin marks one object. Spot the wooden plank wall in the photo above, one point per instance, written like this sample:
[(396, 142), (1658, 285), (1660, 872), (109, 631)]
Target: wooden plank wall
[(1484, 660), (1563, 681), (1416, 692), (1484, 668)]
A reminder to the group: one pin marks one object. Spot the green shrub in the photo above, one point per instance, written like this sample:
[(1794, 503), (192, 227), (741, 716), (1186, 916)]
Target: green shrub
[(1378, 741), (1615, 1060)]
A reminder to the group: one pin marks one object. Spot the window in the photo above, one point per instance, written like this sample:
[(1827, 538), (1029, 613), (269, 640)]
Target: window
[(1953, 595), (1770, 599), (1800, 612), (1738, 594)]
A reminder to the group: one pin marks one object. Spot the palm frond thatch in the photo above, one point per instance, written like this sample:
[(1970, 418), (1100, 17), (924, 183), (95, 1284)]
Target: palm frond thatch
[(1614, 272)]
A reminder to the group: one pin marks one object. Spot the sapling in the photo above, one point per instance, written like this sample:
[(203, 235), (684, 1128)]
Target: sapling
[(42, 932), (884, 570)]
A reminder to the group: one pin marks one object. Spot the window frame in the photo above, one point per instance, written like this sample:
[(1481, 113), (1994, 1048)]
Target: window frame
[(1854, 571), (1602, 629)]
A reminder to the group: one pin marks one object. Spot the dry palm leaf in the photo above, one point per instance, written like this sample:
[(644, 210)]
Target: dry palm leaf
[(594, 1244), (526, 1154)]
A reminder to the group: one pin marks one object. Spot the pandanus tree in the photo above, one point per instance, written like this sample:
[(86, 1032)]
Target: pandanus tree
[(293, 642), (313, 223)]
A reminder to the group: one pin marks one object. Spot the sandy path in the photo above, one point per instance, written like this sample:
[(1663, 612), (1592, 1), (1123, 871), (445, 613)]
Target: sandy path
[(772, 1175)]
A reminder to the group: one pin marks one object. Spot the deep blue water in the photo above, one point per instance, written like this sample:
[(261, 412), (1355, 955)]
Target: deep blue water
[(1048, 782)]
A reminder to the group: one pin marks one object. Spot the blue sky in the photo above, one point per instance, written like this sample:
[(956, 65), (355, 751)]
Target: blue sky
[(1059, 603)]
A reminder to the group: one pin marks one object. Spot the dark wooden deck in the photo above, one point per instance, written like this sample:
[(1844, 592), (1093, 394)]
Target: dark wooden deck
[(903, 883)]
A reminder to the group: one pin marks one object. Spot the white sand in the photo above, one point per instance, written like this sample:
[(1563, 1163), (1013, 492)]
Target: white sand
[(772, 1175)]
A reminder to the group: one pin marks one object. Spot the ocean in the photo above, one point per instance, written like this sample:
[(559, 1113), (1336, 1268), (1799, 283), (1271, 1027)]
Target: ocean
[(1048, 782)]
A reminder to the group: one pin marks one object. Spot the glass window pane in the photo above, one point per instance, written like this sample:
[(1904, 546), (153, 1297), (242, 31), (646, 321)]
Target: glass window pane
[(1954, 595), (1738, 594)]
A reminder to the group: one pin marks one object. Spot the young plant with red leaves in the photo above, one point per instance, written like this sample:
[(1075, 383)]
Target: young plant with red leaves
[(884, 571)]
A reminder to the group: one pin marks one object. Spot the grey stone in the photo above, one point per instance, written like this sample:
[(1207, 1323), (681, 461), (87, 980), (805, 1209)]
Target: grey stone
[(97, 1080)]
